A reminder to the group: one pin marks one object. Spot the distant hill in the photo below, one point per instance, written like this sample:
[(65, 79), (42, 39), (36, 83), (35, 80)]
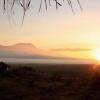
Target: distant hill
[(19, 48), (25, 50)]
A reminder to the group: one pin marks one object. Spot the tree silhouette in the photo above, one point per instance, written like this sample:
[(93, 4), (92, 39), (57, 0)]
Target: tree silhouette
[(8, 5)]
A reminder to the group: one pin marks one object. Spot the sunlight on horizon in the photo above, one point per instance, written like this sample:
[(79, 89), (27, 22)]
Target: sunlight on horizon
[(75, 35), (97, 54)]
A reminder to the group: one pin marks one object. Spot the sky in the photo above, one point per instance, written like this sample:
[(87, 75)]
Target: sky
[(55, 29)]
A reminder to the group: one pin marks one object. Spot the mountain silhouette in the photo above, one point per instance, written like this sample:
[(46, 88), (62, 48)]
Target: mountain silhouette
[(24, 50)]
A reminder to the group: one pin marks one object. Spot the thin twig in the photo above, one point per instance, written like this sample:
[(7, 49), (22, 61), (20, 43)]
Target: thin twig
[(40, 6), (80, 5)]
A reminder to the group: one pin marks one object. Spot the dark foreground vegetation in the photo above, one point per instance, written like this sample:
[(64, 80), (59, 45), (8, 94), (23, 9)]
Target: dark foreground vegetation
[(49, 82)]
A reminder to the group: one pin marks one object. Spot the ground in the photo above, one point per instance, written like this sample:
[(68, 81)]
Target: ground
[(49, 82)]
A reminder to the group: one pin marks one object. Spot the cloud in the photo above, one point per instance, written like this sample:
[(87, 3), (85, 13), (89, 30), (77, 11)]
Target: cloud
[(72, 49)]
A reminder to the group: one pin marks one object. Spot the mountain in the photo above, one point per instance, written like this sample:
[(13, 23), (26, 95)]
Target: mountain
[(24, 50), (20, 48), (27, 52)]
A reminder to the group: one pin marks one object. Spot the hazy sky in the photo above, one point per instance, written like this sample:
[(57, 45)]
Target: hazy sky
[(54, 28)]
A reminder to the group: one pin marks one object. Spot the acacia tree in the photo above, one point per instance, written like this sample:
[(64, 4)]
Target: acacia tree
[(8, 5)]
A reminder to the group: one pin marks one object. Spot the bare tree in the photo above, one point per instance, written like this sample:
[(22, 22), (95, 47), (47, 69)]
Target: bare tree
[(8, 5)]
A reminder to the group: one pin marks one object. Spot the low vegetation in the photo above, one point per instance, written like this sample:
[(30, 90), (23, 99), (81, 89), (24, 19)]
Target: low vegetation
[(31, 83)]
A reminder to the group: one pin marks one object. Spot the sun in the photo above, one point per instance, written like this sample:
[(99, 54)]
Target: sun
[(97, 54)]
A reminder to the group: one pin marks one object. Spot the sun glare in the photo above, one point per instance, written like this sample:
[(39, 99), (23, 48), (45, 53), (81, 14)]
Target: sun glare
[(96, 67), (97, 54)]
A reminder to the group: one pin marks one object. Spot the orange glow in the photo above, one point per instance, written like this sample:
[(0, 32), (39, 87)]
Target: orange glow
[(97, 54), (96, 67)]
